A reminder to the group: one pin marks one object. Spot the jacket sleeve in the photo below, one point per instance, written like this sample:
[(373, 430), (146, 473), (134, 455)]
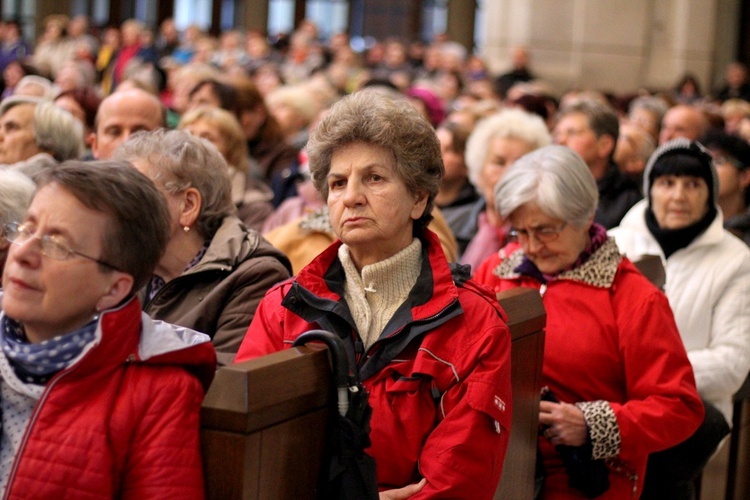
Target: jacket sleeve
[(463, 456), (240, 308), (662, 406), (266, 332), (722, 366), (164, 459)]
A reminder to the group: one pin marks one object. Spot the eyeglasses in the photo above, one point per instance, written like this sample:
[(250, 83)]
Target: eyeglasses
[(49, 245), (565, 133), (541, 234), (724, 160)]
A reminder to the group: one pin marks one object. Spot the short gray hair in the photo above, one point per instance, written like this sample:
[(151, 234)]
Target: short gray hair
[(556, 179), (58, 132), (46, 88), (55, 130), (16, 190), (177, 161), (511, 123), (655, 105), (601, 116), (384, 119)]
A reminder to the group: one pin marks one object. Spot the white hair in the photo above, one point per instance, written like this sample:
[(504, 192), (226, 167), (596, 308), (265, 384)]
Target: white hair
[(16, 190), (513, 123), (556, 179), (56, 131)]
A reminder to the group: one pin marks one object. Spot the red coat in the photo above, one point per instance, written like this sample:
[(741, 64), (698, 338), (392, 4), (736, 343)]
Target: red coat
[(610, 337), (448, 337), (123, 421)]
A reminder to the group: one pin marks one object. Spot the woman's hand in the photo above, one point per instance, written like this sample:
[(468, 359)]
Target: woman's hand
[(566, 423), (403, 493)]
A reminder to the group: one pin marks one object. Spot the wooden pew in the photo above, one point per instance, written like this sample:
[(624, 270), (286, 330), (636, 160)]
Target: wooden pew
[(526, 319), (263, 421), (263, 426)]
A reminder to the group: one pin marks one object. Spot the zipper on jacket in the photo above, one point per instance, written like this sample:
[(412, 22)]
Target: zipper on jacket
[(32, 420), (400, 329)]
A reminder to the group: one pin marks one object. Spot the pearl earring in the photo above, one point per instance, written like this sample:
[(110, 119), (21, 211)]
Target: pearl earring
[(186, 228)]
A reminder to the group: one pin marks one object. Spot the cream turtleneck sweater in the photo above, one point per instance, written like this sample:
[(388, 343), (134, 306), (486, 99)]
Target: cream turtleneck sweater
[(378, 291)]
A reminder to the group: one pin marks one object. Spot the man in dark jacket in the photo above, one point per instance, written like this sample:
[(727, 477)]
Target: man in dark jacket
[(590, 128)]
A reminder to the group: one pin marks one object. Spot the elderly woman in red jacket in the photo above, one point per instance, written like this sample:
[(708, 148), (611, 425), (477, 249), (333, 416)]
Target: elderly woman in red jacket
[(431, 347), (97, 399), (613, 358)]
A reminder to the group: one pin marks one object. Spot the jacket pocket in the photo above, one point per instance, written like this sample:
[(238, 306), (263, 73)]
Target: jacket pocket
[(483, 396)]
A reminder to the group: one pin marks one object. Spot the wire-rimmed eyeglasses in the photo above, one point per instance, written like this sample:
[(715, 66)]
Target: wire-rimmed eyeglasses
[(49, 245)]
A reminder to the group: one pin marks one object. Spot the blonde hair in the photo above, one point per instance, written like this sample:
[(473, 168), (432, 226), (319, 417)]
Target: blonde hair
[(228, 126)]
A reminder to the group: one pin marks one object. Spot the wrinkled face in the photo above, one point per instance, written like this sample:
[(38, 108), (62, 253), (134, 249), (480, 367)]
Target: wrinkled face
[(51, 297), (502, 153), (560, 251), (120, 115), (17, 140), (370, 207), (678, 200)]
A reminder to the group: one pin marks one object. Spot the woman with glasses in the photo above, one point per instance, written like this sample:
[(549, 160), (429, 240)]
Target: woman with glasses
[(97, 400), (708, 287), (619, 384), (493, 146)]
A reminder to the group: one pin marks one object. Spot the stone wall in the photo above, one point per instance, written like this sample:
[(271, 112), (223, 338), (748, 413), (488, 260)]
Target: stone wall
[(614, 45)]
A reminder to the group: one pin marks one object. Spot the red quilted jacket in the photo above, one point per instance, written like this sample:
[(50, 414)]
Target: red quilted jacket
[(123, 421)]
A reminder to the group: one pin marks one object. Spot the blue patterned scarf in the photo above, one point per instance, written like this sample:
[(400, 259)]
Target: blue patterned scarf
[(38, 363)]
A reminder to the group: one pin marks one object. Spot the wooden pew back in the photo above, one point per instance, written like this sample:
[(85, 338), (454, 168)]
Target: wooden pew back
[(526, 319), (263, 421), (263, 426)]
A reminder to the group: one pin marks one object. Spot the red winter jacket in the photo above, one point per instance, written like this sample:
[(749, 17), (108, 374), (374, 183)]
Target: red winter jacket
[(611, 345), (123, 421), (449, 337)]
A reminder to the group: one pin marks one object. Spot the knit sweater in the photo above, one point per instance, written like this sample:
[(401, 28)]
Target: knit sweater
[(378, 291)]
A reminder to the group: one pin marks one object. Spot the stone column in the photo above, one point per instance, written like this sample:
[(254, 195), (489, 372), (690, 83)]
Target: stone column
[(461, 22), (256, 15)]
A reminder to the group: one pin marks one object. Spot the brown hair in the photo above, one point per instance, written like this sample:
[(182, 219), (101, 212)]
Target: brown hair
[(384, 119), (137, 234)]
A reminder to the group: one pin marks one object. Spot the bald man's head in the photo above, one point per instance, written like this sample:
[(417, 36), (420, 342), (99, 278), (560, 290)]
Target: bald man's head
[(685, 121), (124, 113)]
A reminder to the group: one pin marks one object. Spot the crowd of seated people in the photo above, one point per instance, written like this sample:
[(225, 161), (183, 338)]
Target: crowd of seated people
[(299, 184)]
